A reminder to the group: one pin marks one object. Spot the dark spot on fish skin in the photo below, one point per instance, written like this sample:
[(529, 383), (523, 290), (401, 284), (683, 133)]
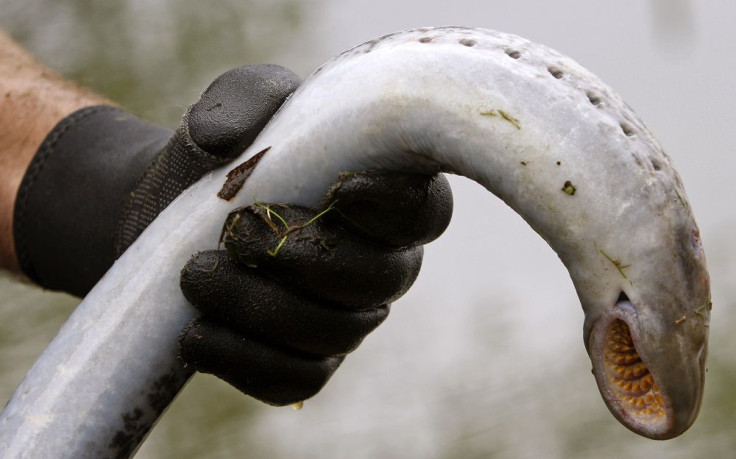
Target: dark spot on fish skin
[(467, 42), (569, 188), (123, 443), (513, 54), (123, 439), (140, 419), (559, 163), (236, 178), (555, 72), (594, 99), (627, 129), (426, 40)]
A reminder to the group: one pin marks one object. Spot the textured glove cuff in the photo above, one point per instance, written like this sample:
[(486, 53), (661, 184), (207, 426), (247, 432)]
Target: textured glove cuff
[(70, 201)]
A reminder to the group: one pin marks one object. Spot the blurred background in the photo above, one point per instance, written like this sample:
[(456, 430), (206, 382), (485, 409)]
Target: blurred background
[(484, 356)]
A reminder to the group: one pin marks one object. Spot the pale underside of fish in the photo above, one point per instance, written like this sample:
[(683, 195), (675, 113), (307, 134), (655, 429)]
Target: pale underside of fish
[(528, 123)]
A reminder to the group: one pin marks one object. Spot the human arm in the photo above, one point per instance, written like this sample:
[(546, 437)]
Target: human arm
[(33, 99)]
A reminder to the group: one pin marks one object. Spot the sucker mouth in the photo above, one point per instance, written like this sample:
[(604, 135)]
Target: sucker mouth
[(630, 381), (626, 382)]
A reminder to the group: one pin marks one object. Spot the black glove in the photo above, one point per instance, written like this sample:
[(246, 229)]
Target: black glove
[(102, 176), (298, 289)]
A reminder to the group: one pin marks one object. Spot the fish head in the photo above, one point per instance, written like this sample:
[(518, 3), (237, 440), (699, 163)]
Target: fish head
[(648, 348)]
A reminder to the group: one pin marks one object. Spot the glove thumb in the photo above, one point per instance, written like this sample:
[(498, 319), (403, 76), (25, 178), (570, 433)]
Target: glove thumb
[(224, 122)]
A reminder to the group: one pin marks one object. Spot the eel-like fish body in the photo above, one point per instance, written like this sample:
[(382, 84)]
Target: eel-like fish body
[(529, 124)]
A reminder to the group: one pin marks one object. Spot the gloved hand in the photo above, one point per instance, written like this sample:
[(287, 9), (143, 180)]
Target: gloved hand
[(278, 318), (102, 176), (298, 289)]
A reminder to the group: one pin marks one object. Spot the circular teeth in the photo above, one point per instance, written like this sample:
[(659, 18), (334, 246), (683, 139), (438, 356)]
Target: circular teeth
[(629, 377)]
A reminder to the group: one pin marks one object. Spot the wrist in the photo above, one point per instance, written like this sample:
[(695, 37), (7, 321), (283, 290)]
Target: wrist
[(33, 99), (70, 200)]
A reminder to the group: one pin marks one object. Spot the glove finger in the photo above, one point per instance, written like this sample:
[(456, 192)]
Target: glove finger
[(266, 373), (395, 209), (262, 308), (318, 259), (236, 106)]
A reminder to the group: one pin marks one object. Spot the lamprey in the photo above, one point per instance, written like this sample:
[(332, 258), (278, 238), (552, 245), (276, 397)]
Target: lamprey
[(529, 124)]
